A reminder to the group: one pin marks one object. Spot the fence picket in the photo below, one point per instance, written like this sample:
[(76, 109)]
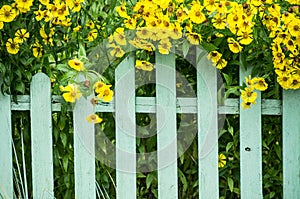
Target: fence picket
[(291, 143), (166, 126), (6, 166), (41, 137), (207, 109), (251, 147), (125, 129), (84, 150), (165, 105)]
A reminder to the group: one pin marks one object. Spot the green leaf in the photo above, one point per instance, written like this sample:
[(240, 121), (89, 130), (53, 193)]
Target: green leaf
[(183, 179), (227, 78), (230, 130), (209, 47), (228, 146), (20, 87), (62, 67), (149, 180), (185, 48), (230, 183), (272, 194), (64, 139), (65, 161)]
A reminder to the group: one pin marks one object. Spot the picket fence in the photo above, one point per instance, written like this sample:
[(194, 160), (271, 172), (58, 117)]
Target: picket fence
[(41, 104)]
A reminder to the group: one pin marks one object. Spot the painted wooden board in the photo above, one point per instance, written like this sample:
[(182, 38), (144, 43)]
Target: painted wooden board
[(147, 105), (84, 150), (6, 171), (207, 115), (41, 137), (250, 147), (166, 126), (125, 129), (291, 143)]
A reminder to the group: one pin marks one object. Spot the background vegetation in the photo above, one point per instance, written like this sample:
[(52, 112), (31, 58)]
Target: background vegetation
[(98, 20)]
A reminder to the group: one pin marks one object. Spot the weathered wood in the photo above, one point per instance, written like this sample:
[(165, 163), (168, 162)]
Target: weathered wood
[(147, 105), (125, 129), (41, 137), (84, 150), (6, 166), (166, 126), (250, 147), (291, 143), (207, 113)]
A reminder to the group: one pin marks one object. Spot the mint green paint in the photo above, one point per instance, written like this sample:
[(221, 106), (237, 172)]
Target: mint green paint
[(125, 129), (207, 109), (6, 171), (166, 126), (251, 147), (41, 137), (291, 143), (165, 105), (84, 150)]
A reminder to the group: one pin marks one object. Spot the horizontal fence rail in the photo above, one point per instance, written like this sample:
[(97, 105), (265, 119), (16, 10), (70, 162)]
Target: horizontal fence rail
[(165, 105), (231, 106)]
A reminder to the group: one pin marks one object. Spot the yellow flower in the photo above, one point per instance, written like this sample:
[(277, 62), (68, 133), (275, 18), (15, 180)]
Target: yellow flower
[(248, 95), (245, 37), (222, 160), (70, 93), (284, 79), (121, 10), (295, 81), (99, 86), (93, 34), (21, 35), (77, 5), (219, 21), (144, 65), (164, 46), (142, 44), (144, 33), (260, 83), (94, 118), (90, 24), (130, 23), (194, 38), (214, 56), (37, 49), (24, 5), (7, 13), (44, 2), (234, 46), (12, 46), (76, 64), (119, 36), (196, 15), (1, 25), (106, 94), (220, 64), (246, 105), (294, 28), (176, 31), (77, 28), (116, 51)]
